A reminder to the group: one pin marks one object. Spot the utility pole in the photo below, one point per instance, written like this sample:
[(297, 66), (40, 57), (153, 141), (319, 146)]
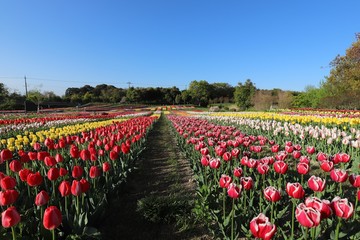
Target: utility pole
[(129, 83), (26, 93)]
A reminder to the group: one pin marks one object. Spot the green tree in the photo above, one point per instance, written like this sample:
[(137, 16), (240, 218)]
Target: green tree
[(342, 86), (199, 92), (243, 94), (311, 97), (36, 97), (133, 95), (178, 99)]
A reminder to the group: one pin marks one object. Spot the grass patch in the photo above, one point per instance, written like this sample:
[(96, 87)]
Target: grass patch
[(165, 209)]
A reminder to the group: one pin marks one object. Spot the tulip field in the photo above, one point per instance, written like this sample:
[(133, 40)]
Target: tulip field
[(56, 171), (274, 175)]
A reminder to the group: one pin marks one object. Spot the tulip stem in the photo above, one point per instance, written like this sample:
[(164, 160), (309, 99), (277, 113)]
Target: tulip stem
[(292, 218), (224, 203), (232, 219), (356, 203), (66, 207), (53, 189), (338, 228), (306, 232), (272, 212), (7, 168), (13, 233), (313, 233), (244, 199), (53, 234), (77, 206)]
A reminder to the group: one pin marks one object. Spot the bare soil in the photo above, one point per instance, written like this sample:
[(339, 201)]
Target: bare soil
[(161, 172)]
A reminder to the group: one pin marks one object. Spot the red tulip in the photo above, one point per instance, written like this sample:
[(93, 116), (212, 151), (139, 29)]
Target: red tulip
[(23, 173), (316, 184), (10, 217), (74, 151), (8, 197), (295, 190), (327, 165), (252, 163), (94, 172), (34, 179), (227, 156), (125, 148), (205, 160), (65, 188), (114, 155), (8, 183), (281, 156), (263, 168), (52, 218), (289, 149), (280, 167), (235, 152), (77, 172), (85, 185), (50, 161), (225, 181), (338, 175), (24, 158), (204, 151), (59, 158), (296, 154), (310, 150), (220, 150), (76, 188), (238, 172), (233, 190), (321, 156), (304, 159), (261, 227), (214, 163), (5, 155), (344, 157), (355, 180), (106, 166), (342, 207), (246, 182), (272, 194), (85, 154), (42, 155), (302, 168), (63, 172), (307, 216), (41, 198), (323, 206), (341, 157), (32, 156), (275, 148), (53, 174), (93, 157), (15, 165)]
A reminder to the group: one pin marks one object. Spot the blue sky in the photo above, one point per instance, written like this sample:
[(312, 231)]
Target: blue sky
[(163, 43)]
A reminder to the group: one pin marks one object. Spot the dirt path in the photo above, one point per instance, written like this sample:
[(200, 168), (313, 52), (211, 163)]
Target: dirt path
[(162, 188)]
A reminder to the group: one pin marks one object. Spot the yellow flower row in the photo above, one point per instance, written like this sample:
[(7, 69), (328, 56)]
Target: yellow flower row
[(293, 118), (29, 138)]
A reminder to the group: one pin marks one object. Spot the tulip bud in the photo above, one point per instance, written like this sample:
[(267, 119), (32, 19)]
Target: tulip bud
[(52, 218)]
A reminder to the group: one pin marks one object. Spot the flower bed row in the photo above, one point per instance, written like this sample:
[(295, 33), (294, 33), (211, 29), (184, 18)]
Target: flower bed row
[(252, 185), (49, 191)]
